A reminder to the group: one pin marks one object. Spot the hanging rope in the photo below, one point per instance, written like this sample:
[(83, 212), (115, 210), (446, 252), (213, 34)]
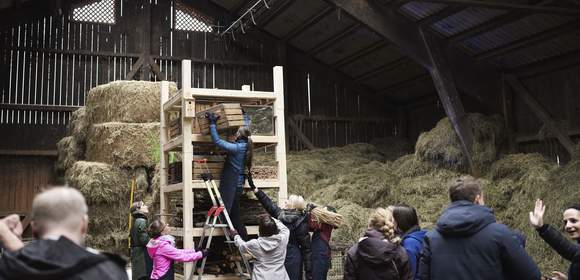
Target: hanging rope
[(240, 20)]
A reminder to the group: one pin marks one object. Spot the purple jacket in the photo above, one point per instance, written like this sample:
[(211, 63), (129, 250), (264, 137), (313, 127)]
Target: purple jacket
[(162, 251)]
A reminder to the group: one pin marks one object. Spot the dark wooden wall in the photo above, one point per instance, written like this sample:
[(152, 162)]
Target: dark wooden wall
[(556, 91), (20, 179)]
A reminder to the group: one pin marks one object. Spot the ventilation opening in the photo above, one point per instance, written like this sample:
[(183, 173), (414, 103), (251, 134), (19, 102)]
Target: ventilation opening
[(98, 12), (187, 19)]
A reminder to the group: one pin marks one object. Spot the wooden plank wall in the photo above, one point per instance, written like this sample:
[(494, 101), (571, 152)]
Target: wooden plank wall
[(20, 179), (557, 91), (53, 60), (331, 99)]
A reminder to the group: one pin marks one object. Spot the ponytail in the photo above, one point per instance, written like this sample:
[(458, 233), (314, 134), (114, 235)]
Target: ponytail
[(245, 133)]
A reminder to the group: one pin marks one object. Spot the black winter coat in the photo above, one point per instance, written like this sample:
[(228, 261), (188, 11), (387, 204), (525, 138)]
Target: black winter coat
[(374, 258), (564, 247), (297, 223), (468, 244), (60, 260)]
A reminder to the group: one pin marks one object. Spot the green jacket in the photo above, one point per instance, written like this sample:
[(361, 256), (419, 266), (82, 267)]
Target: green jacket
[(140, 261)]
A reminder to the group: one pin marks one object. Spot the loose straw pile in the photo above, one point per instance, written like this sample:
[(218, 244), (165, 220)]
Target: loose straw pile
[(322, 215)]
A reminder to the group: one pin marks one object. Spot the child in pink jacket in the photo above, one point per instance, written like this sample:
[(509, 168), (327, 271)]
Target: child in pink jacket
[(161, 249)]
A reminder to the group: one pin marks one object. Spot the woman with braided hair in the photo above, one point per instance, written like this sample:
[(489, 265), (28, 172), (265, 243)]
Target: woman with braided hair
[(378, 254)]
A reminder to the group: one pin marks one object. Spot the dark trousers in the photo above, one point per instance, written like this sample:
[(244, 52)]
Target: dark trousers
[(293, 262), (320, 257), (231, 197)]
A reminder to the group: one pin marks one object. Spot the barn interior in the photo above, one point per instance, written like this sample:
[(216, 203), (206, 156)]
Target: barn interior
[(385, 101)]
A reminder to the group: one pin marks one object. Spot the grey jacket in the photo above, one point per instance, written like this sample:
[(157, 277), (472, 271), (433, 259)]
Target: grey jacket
[(269, 252)]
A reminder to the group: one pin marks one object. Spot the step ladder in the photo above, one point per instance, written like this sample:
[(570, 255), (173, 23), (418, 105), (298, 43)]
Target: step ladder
[(214, 220)]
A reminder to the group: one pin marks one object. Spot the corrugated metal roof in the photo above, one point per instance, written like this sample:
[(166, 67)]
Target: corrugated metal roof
[(560, 45), (420, 10), (511, 32), (464, 20)]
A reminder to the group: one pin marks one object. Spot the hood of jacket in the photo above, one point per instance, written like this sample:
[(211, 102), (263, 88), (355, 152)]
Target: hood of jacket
[(463, 218), (270, 243), (291, 217), (155, 243), (375, 249), (48, 259)]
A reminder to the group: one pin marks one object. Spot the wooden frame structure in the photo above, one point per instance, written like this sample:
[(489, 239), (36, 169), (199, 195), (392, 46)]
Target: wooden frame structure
[(184, 101)]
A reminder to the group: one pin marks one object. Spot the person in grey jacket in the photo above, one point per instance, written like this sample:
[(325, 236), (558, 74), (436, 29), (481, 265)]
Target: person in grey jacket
[(269, 249)]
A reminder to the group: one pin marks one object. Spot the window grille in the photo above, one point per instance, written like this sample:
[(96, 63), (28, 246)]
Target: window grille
[(187, 19), (102, 11)]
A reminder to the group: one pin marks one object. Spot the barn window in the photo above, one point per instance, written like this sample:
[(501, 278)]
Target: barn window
[(102, 11), (187, 19)]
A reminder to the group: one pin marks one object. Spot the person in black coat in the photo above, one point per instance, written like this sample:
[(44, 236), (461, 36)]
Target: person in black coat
[(293, 216), (566, 249), (60, 222), (467, 243)]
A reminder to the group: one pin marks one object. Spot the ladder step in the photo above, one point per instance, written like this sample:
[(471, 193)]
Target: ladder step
[(217, 226)]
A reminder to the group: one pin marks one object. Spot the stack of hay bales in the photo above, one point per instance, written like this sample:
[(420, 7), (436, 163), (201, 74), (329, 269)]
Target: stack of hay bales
[(113, 140), (442, 147), (357, 178)]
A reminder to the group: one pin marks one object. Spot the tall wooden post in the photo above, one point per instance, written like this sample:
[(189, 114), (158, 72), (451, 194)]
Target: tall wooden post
[(449, 96), (280, 133)]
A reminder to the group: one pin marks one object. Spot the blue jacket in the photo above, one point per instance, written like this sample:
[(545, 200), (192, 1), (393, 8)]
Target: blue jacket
[(236, 158), (413, 244), (468, 244)]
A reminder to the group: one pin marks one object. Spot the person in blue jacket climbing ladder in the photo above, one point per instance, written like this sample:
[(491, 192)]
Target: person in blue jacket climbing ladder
[(232, 179)]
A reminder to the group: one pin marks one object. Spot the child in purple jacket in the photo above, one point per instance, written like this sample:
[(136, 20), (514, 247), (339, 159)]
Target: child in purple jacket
[(161, 249)]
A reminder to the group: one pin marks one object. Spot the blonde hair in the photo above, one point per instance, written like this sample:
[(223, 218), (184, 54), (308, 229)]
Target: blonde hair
[(382, 220), (296, 202)]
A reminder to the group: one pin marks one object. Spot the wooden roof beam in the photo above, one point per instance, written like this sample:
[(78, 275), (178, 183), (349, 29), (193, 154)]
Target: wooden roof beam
[(530, 40), (313, 20), (510, 7), (449, 96), (355, 56), (378, 70), (492, 24), (327, 43), (476, 78)]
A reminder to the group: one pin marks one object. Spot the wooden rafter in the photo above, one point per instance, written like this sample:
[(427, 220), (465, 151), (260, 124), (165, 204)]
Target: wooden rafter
[(449, 96)]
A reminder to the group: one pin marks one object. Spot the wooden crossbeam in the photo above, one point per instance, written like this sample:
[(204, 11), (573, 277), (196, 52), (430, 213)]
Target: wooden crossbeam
[(449, 96), (300, 135), (540, 112)]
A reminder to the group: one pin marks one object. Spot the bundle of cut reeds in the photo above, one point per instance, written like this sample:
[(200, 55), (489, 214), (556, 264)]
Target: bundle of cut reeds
[(323, 215)]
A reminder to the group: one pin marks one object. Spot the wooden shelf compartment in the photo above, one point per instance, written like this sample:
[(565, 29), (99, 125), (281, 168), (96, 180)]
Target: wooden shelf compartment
[(199, 184), (197, 231)]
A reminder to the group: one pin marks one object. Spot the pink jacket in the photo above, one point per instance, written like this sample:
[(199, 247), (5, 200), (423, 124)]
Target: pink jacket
[(162, 251)]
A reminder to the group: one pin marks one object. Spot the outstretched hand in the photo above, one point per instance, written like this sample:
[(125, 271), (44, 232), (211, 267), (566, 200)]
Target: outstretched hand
[(559, 276), (537, 216), (13, 223)]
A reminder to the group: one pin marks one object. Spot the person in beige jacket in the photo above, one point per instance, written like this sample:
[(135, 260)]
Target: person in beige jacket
[(269, 249)]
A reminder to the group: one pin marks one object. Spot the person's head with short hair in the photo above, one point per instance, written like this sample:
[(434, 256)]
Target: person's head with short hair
[(383, 221), (60, 211), (139, 207), (267, 226), (466, 188), (405, 217), (157, 228), (296, 202)]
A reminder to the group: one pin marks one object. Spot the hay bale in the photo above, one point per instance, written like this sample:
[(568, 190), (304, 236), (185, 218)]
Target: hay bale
[(309, 171), (442, 147), (98, 182), (69, 151), (125, 101), (114, 242), (355, 221), (124, 144), (78, 126), (392, 147), (411, 165)]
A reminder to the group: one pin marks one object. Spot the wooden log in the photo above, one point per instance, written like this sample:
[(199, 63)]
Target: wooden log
[(230, 117)]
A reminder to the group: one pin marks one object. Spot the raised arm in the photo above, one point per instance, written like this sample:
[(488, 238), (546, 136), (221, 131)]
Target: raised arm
[(267, 203), (180, 255), (565, 248), (221, 143)]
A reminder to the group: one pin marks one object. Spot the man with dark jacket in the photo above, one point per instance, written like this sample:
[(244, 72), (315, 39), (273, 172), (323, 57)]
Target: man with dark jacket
[(467, 243), (141, 263), (59, 221), (298, 251)]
